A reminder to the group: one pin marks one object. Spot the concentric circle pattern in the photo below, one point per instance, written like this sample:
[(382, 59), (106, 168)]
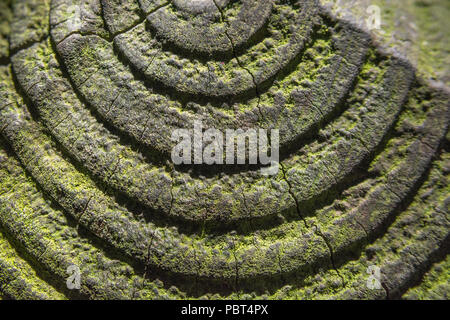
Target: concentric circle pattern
[(90, 93)]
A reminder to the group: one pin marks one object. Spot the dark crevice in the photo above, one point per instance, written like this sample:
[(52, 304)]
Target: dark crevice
[(293, 196), (147, 259), (4, 61), (318, 232)]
